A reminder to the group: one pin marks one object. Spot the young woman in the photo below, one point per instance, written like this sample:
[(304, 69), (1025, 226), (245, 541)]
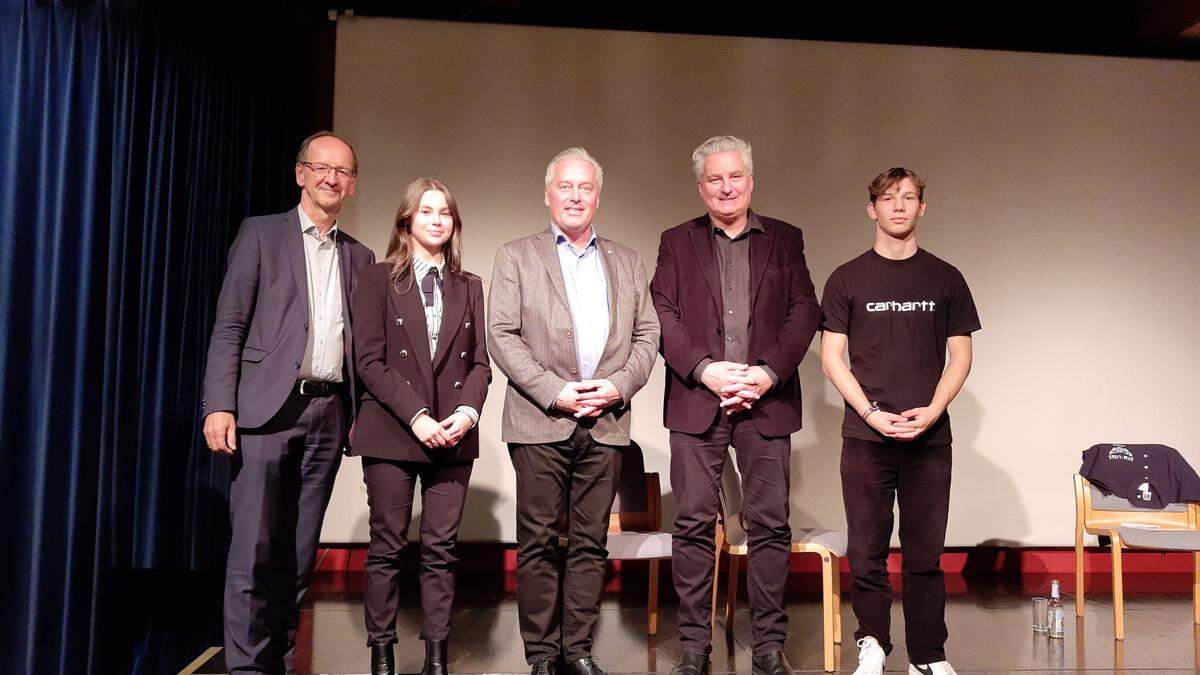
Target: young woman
[(421, 353)]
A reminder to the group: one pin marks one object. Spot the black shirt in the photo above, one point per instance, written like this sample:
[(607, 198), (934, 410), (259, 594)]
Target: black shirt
[(897, 316)]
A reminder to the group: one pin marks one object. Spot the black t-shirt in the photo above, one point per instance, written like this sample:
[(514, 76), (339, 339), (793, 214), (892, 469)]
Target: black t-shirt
[(1149, 475), (897, 315)]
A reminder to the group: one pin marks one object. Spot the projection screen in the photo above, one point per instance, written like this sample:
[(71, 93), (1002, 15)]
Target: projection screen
[(1063, 187)]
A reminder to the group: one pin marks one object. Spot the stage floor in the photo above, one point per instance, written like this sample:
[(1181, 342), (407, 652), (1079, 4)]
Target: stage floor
[(989, 622)]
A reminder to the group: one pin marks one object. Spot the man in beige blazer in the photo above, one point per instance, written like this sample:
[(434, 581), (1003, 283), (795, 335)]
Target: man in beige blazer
[(571, 324)]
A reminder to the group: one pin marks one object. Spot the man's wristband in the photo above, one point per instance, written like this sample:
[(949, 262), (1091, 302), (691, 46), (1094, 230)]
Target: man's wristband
[(867, 413)]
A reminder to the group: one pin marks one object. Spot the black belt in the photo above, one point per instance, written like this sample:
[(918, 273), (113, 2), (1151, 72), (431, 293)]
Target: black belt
[(317, 387)]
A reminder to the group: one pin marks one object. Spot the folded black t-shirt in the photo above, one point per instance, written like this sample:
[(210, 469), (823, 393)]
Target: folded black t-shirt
[(897, 315)]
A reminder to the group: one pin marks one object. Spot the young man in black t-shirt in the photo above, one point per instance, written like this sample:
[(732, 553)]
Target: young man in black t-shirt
[(899, 309)]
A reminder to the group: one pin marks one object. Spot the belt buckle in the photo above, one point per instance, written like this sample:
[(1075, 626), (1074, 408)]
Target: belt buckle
[(304, 391)]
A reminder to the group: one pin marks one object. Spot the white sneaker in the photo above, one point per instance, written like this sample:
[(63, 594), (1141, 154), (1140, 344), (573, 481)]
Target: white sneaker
[(935, 668), (870, 657)]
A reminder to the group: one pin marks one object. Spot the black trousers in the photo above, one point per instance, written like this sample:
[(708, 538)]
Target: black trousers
[(874, 475), (697, 462), (283, 476), (390, 488), (558, 603)]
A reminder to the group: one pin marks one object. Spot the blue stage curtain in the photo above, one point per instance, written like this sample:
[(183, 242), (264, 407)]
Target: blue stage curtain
[(135, 136)]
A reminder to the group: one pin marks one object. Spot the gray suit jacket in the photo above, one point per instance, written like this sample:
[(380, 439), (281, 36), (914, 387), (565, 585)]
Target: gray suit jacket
[(261, 327), (530, 336)]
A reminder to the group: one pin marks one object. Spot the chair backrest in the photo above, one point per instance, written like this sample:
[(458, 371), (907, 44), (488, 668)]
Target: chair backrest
[(1096, 511), (731, 503), (638, 503), (631, 481)]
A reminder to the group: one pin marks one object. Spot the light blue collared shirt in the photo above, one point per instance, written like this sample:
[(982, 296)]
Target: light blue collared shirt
[(587, 294)]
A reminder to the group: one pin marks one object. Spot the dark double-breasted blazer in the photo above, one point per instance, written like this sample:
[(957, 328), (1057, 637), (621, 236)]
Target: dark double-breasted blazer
[(261, 327), (391, 345), (783, 319)]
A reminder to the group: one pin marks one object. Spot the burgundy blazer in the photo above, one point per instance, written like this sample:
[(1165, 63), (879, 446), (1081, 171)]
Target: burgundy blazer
[(783, 319), (391, 347)]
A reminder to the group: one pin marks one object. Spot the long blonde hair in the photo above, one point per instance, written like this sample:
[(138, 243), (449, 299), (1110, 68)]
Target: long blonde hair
[(400, 248)]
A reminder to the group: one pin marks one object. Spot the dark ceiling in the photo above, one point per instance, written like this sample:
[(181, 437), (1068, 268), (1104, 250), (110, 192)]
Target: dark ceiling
[(1147, 28)]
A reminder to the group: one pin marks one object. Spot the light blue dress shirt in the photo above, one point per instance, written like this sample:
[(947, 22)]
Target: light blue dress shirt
[(587, 293)]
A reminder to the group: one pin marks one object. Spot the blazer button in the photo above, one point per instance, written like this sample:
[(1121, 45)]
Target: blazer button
[(462, 355), (568, 333), (399, 322), (467, 324), (408, 382), (297, 365), (572, 371), (404, 353), (458, 385)]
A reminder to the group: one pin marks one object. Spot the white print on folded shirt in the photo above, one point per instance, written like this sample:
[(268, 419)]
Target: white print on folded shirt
[(896, 306), (1120, 452), (1145, 492)]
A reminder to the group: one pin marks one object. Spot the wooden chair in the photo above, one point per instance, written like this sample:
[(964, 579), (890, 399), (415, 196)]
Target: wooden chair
[(731, 539), (1111, 516), (635, 524)]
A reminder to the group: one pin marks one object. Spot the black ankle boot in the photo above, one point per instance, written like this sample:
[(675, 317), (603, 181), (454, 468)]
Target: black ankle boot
[(435, 658), (383, 662)]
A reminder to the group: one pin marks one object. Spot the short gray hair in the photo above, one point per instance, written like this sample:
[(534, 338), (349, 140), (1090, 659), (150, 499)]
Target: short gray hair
[(575, 153), (719, 144)]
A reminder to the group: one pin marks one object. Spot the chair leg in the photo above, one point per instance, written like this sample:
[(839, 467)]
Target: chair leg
[(731, 597), (827, 609), (1118, 589), (837, 599), (716, 579), (1079, 572), (652, 600), (1196, 588)]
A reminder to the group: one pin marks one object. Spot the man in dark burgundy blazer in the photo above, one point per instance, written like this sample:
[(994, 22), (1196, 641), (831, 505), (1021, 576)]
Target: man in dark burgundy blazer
[(279, 389), (738, 312)]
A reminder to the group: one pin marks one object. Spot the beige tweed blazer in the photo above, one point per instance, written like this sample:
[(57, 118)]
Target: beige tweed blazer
[(531, 338)]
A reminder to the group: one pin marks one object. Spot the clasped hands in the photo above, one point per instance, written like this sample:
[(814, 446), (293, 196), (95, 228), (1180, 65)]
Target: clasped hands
[(588, 398), (904, 426), (444, 434), (738, 385)]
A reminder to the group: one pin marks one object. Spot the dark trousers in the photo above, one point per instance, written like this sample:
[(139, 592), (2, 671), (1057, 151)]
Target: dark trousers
[(697, 462), (283, 475), (576, 477), (390, 487), (874, 475)]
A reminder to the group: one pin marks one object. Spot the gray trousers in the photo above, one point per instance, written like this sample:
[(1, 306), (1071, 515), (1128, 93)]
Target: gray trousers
[(283, 476)]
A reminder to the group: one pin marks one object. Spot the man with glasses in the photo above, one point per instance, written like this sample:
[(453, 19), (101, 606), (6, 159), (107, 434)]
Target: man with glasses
[(278, 398)]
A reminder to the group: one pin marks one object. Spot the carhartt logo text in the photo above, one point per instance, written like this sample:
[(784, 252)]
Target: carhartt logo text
[(896, 306)]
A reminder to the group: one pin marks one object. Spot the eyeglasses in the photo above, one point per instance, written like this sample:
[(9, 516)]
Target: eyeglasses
[(322, 170)]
